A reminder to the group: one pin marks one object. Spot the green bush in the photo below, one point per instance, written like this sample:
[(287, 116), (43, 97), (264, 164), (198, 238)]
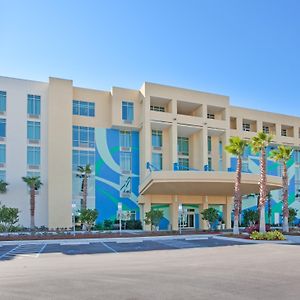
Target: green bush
[(153, 217), (250, 217), (269, 236), (99, 227), (211, 215), (292, 215), (133, 224), (9, 216), (108, 225), (88, 217)]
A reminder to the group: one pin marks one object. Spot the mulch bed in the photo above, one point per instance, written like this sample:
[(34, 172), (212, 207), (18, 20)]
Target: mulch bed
[(58, 236), (238, 236)]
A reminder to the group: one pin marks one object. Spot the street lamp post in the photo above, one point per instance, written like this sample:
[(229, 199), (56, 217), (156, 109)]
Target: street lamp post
[(180, 213), (73, 216), (120, 216)]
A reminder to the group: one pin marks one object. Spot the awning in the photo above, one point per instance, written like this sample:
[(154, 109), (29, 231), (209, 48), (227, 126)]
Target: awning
[(202, 183)]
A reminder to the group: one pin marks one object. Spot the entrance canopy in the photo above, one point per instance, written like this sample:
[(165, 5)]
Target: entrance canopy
[(202, 183)]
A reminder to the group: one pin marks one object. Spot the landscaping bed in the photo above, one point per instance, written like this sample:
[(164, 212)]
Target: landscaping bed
[(95, 235)]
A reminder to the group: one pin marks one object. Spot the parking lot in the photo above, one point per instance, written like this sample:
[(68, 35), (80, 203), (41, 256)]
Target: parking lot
[(131, 269), (76, 247)]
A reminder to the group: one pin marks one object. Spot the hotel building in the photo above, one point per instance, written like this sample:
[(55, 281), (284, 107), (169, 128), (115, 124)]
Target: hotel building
[(156, 147)]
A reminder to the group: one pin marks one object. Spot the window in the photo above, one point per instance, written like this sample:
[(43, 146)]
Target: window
[(33, 174), (3, 175), (183, 145), (2, 128), (2, 154), (157, 108), (132, 215), (283, 132), (83, 136), (266, 129), (183, 163), (33, 130), (33, 156), (246, 127), (157, 160), (83, 108), (125, 186), (127, 111), (34, 105), (156, 138), (297, 156), (82, 158), (209, 144), (2, 101), (125, 139), (210, 116), (125, 162)]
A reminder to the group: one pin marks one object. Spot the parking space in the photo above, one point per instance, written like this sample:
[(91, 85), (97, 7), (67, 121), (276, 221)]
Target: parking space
[(34, 250)]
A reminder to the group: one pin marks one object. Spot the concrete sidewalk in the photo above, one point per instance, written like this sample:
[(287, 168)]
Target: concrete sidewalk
[(119, 239)]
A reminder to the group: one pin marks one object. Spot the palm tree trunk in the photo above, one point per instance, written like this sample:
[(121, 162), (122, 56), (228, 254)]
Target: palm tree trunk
[(262, 191), (237, 196), (84, 193), (285, 227), (32, 208)]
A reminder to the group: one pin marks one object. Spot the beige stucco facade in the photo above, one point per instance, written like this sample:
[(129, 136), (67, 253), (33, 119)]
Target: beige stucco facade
[(176, 112)]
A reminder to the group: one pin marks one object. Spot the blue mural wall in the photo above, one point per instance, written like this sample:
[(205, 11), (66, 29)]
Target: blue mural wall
[(111, 185)]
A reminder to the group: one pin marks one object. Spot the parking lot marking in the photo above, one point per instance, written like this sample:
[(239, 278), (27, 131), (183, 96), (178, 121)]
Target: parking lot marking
[(25, 250), (74, 243), (108, 247), (7, 253), (196, 238), (129, 241)]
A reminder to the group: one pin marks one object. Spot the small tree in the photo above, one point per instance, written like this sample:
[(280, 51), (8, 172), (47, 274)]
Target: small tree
[(237, 148), (292, 215), (250, 217), (34, 183), (259, 144), (88, 217), (9, 216), (210, 215), (153, 217), (84, 173), (3, 186)]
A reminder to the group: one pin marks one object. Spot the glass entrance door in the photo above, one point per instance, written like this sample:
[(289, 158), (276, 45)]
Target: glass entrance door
[(188, 220)]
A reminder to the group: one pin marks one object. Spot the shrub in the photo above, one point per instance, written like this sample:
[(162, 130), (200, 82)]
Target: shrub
[(108, 224), (211, 215), (9, 216), (133, 224), (153, 217), (255, 227), (250, 217), (88, 217), (292, 215), (270, 236)]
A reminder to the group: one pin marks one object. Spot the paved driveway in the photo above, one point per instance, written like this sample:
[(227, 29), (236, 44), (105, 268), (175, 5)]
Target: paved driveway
[(155, 269)]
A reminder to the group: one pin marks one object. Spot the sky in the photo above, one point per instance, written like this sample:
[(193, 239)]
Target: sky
[(248, 50)]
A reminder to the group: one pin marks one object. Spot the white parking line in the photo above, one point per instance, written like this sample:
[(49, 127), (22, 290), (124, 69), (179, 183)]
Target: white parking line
[(196, 238), (108, 247), (41, 250), (74, 243), (129, 241), (7, 253)]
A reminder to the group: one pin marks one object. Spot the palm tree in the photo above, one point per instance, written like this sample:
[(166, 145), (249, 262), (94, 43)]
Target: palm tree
[(84, 173), (237, 147), (3, 186), (258, 145), (34, 183), (282, 155)]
